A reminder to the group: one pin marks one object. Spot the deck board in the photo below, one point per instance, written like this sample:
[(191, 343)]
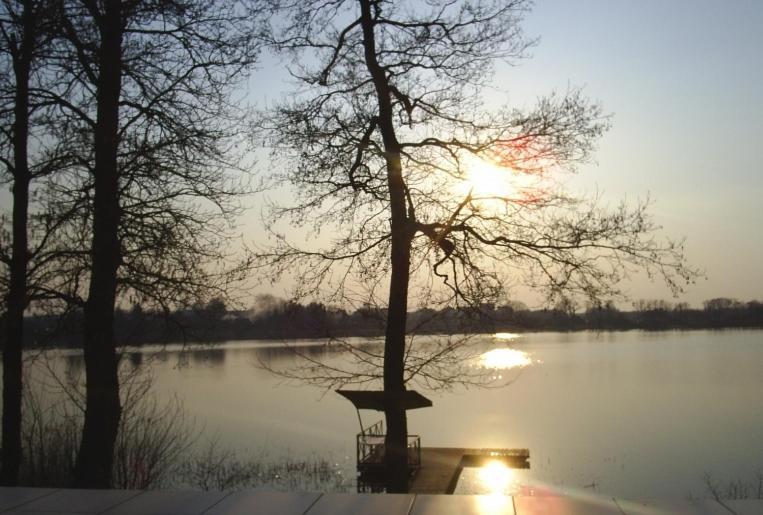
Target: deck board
[(672, 507), (264, 503), (462, 505), (362, 504), (559, 505), (79, 501), (27, 501), (11, 497), (168, 502)]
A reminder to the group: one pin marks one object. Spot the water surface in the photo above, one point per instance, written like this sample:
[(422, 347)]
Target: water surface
[(631, 414)]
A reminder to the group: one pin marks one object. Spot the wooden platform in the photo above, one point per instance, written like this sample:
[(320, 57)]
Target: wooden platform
[(441, 466), (46, 501)]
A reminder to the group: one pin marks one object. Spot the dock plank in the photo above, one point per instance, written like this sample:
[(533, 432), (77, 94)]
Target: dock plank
[(463, 505), (168, 502), (12, 497), (365, 504), (672, 507), (262, 503), (79, 501), (557, 505)]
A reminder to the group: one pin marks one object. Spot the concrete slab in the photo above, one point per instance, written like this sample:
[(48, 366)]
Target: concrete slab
[(553, 505), (365, 504), (672, 507), (79, 501), (462, 505), (262, 503), (11, 497), (168, 502)]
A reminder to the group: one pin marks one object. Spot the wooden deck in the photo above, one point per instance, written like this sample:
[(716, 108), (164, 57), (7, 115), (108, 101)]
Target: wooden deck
[(45, 501), (441, 466)]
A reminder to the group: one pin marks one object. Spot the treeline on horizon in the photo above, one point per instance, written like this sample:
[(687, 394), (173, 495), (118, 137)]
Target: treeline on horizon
[(274, 318)]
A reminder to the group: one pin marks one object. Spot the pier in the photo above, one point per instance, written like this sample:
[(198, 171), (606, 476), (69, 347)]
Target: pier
[(441, 466)]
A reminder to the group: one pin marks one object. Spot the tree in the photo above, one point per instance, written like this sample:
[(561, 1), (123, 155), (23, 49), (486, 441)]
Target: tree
[(24, 38), (19, 39), (383, 146), (145, 86)]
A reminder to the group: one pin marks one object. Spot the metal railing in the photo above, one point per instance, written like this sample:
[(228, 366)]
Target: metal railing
[(370, 445), (370, 450)]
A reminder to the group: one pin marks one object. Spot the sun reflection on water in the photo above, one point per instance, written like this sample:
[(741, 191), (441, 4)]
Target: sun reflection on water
[(505, 359), (495, 477), (506, 336)]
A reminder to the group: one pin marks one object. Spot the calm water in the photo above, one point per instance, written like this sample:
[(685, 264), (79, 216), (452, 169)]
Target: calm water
[(630, 414)]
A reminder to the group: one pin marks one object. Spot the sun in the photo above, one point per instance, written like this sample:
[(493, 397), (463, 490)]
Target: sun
[(486, 180)]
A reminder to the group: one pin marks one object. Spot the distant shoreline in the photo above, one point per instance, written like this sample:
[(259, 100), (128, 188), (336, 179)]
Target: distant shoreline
[(211, 337)]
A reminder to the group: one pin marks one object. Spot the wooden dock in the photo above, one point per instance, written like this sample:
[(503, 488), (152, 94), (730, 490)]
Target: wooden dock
[(48, 501), (441, 466)]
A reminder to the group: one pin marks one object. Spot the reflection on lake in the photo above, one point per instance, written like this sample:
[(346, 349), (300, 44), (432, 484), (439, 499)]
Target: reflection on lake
[(629, 414), (496, 478), (506, 336), (505, 358)]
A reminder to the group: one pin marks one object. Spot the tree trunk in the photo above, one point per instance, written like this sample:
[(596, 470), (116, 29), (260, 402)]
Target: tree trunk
[(103, 410), (17, 291), (396, 453)]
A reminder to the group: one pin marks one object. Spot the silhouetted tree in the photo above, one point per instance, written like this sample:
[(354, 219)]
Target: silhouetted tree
[(157, 145), (18, 29), (382, 145), (25, 35)]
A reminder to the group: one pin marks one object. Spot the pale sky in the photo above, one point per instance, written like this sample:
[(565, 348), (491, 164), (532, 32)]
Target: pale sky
[(682, 79)]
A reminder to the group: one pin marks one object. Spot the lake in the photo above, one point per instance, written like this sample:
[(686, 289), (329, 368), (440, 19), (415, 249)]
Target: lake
[(628, 414)]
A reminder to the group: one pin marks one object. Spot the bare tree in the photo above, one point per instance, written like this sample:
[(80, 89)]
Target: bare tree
[(25, 35), (381, 143), (145, 86)]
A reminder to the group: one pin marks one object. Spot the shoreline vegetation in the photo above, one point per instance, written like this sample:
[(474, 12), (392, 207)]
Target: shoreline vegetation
[(275, 319)]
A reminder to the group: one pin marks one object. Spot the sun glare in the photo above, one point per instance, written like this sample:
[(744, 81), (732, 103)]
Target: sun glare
[(505, 359), (486, 180), (495, 477)]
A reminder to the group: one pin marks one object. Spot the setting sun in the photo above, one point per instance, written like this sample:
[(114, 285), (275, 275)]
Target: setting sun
[(486, 180)]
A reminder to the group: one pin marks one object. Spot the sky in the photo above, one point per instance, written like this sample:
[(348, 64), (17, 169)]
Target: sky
[(682, 80)]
